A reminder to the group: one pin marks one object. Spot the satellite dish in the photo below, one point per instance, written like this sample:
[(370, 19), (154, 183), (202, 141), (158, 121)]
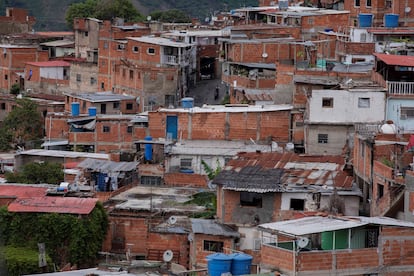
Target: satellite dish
[(407, 9), (148, 18), (138, 100), (172, 220), (264, 55), (302, 242), (167, 256)]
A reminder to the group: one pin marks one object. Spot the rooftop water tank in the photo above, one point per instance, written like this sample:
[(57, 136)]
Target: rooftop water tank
[(92, 111), (187, 102), (389, 128), (391, 20), (218, 263), (75, 108), (365, 20), (240, 264)]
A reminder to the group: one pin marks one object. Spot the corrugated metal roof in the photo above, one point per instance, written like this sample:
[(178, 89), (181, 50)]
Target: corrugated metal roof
[(64, 154), (45, 204), (106, 96), (318, 224), (281, 172), (211, 227), (59, 43), (107, 165), (256, 65), (160, 41), (53, 63), (230, 109), (396, 59), (22, 190), (181, 225)]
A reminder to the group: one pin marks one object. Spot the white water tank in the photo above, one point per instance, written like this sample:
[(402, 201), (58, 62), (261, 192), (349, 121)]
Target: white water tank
[(389, 128)]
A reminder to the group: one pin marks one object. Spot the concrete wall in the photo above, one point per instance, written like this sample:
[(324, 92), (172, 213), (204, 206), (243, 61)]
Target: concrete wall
[(84, 77), (338, 137)]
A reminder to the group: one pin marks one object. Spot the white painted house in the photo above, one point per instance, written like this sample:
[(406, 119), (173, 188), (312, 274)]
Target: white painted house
[(332, 114)]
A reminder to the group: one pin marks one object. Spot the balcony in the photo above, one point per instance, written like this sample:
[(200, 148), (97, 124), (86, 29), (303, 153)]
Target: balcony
[(400, 88), (172, 60)]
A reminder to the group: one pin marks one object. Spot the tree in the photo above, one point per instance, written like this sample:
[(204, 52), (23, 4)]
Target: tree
[(15, 89), (24, 123), (171, 16), (102, 9), (36, 173)]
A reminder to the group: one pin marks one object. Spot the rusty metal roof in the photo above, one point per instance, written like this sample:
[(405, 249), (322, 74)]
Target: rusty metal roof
[(22, 191), (49, 204), (396, 59), (282, 172)]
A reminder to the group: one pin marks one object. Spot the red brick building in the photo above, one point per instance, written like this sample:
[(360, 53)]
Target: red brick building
[(319, 245)]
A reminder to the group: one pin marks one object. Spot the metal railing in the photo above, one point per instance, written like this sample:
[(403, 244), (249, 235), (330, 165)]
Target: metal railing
[(400, 88)]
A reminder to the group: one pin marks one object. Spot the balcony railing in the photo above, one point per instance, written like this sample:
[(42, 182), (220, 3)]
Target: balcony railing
[(400, 88)]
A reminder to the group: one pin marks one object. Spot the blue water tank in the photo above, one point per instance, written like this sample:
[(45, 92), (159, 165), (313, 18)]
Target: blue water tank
[(148, 149), (218, 263), (240, 264), (391, 20), (187, 102), (365, 20), (92, 111), (75, 109)]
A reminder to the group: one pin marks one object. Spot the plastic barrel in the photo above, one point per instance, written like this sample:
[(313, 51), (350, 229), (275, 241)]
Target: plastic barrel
[(391, 20), (92, 111), (365, 20), (187, 102), (75, 109), (240, 264), (218, 263)]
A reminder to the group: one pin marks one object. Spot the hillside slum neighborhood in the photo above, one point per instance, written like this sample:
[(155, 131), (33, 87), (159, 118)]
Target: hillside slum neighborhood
[(313, 147)]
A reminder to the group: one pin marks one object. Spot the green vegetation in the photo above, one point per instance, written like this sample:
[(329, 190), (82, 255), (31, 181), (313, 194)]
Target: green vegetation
[(171, 16), (23, 124), (104, 10), (206, 199), (211, 173), (15, 89), (22, 261), (36, 173), (68, 238)]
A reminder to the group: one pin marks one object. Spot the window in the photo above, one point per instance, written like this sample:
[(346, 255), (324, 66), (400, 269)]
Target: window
[(369, 3), (6, 77), (327, 102), (121, 47), (115, 105), (169, 100), (406, 113), (363, 38), (151, 51), (129, 129), (129, 106), (131, 74), (151, 180), (106, 129), (357, 3), (93, 81), (3, 106), (322, 138), (78, 77), (135, 49), (123, 72), (297, 204), (86, 34), (250, 199), (310, 21), (380, 188), (363, 102), (186, 163), (102, 85), (214, 246)]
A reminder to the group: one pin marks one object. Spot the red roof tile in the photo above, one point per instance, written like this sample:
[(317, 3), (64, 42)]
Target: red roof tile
[(396, 59), (53, 63), (49, 204)]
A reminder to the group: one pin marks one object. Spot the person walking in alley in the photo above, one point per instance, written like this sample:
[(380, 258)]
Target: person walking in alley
[(216, 94)]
